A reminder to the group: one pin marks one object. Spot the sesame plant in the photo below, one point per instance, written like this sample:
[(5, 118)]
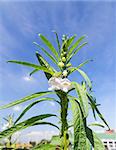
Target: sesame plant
[(60, 85)]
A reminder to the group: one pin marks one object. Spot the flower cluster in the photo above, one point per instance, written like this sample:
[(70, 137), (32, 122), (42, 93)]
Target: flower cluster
[(59, 84)]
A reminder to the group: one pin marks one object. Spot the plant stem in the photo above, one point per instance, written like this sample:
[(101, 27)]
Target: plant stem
[(64, 109), (64, 112)]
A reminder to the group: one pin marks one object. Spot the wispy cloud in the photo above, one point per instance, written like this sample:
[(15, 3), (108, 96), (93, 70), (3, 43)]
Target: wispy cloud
[(39, 135), (17, 108)]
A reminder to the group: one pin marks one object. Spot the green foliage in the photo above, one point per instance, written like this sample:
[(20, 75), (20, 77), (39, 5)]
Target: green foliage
[(58, 42), (76, 51), (27, 98), (75, 45), (94, 140), (25, 124), (31, 105), (45, 51), (82, 97), (79, 127), (44, 147), (32, 65), (84, 137), (93, 103), (49, 45)]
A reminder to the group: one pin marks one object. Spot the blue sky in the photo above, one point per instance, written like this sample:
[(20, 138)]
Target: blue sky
[(19, 24)]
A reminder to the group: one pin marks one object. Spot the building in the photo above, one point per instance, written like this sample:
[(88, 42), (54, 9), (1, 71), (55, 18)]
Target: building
[(109, 139)]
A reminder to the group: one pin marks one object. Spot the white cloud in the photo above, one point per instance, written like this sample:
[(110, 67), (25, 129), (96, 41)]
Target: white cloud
[(16, 136), (17, 108), (5, 126), (26, 78), (39, 135)]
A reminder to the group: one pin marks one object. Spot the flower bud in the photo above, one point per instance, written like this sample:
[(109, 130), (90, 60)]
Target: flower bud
[(61, 64), (65, 73), (62, 54), (68, 65), (63, 59)]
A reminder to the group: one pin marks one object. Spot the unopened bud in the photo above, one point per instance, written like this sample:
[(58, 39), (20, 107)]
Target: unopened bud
[(63, 59), (62, 54), (61, 64)]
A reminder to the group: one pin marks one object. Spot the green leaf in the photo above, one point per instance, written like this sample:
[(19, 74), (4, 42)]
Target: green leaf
[(93, 103), (70, 40), (49, 55), (94, 140), (45, 123), (84, 75), (44, 147), (25, 124), (43, 62), (49, 45), (31, 105), (72, 69), (31, 65), (76, 51), (27, 98), (75, 45), (79, 127), (32, 72), (57, 40), (82, 97), (56, 140), (96, 124), (88, 145)]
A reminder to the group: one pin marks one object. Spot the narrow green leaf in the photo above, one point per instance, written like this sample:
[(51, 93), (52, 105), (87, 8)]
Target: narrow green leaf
[(44, 147), (72, 69), (31, 105), (56, 140), (31, 65), (43, 62), (79, 128), (34, 71), (25, 124), (75, 45), (91, 99), (89, 147), (84, 75), (76, 51), (70, 40), (93, 110), (45, 123), (82, 97), (45, 51), (94, 140), (57, 40), (27, 98), (49, 45), (97, 124)]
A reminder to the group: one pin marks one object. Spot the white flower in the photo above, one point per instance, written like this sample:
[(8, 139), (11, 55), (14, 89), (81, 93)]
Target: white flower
[(59, 84), (54, 83), (66, 85)]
